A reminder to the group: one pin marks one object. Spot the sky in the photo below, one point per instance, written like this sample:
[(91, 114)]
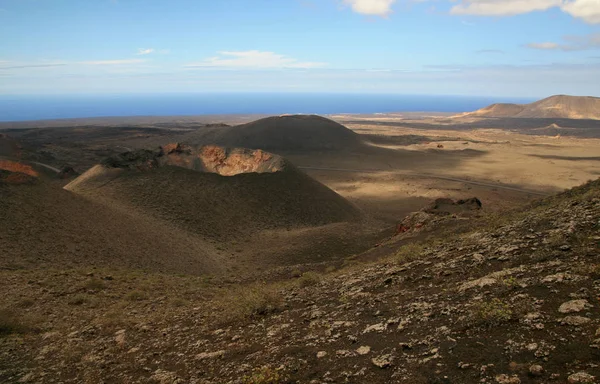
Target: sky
[(508, 48)]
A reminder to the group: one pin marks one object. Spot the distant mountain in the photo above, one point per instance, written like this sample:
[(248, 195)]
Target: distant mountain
[(560, 106)]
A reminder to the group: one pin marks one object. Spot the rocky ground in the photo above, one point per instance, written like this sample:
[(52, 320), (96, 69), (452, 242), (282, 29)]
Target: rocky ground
[(513, 300)]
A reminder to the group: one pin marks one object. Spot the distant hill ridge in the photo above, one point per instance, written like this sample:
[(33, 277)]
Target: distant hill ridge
[(559, 106), (287, 133)]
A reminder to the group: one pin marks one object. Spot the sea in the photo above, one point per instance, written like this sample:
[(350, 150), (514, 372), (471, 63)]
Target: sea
[(42, 107)]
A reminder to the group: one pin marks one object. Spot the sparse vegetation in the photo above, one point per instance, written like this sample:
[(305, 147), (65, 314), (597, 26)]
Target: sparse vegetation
[(509, 282), (251, 301), (78, 299), (94, 284), (309, 279), (11, 323), (136, 295), (409, 252), (296, 273), (264, 375), (492, 313)]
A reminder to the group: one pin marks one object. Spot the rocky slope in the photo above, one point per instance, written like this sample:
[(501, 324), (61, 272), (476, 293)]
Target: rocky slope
[(513, 300)]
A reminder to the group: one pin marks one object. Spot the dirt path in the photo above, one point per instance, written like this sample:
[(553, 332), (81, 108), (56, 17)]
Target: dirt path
[(430, 176)]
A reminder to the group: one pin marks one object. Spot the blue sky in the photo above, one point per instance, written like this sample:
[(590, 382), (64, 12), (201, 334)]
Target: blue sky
[(514, 48)]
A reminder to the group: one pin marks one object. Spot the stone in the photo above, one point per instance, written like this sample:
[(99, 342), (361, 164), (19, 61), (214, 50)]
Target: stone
[(210, 355), (581, 377), (27, 378), (120, 337), (321, 354), (575, 320), (505, 379), (573, 306), (363, 350), (536, 370), (383, 361), (164, 377), (380, 327)]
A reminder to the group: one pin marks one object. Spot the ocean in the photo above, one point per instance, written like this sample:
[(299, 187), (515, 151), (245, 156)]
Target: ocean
[(31, 107)]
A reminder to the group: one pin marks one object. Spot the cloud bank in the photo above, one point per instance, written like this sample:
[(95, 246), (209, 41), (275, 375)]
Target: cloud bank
[(587, 10), (571, 43), (253, 60)]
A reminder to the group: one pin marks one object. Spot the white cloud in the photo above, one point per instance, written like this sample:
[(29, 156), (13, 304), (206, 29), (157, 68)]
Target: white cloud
[(503, 7), (371, 7), (588, 10), (253, 60), (572, 43), (546, 45), (145, 51), (112, 62)]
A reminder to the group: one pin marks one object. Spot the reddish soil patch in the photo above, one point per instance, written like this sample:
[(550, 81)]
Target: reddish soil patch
[(14, 166)]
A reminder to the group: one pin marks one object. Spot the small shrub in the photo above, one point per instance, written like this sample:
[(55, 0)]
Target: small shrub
[(249, 302), (309, 279), (26, 303), (78, 300), (136, 296), (595, 271), (264, 375), (493, 312), (177, 302), (509, 282), (555, 239), (409, 252), (12, 323), (296, 273), (94, 285)]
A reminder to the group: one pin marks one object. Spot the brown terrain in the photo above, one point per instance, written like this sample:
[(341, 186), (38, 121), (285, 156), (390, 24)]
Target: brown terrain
[(300, 249), (560, 106)]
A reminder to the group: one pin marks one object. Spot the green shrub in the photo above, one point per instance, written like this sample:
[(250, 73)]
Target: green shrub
[(493, 312)]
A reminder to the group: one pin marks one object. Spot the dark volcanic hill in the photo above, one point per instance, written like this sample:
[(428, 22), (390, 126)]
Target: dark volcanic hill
[(214, 191), (42, 225), (560, 106), (286, 133)]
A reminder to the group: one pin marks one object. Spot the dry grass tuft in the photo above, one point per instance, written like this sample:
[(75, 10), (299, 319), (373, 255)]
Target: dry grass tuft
[(309, 279), (249, 302), (409, 252), (11, 323)]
